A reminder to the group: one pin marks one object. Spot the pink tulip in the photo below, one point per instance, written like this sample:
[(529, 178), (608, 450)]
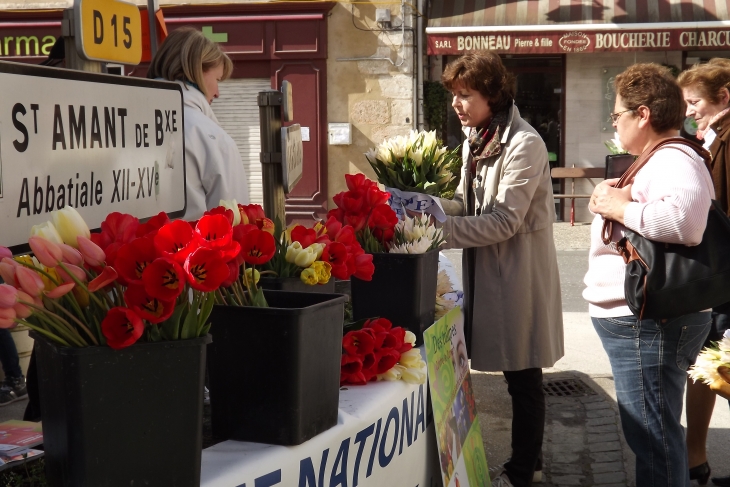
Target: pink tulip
[(47, 252), (108, 275), (29, 281), (5, 252), (7, 318), (93, 254), (77, 271), (71, 255), (7, 273), (22, 310), (61, 290), (8, 296)]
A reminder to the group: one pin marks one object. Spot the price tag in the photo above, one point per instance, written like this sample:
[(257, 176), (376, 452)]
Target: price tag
[(108, 31)]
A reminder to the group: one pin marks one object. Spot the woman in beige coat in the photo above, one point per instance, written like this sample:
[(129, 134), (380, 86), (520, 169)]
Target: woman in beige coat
[(502, 216)]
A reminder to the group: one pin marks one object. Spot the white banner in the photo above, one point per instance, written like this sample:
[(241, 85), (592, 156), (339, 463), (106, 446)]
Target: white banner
[(98, 143), (383, 438)]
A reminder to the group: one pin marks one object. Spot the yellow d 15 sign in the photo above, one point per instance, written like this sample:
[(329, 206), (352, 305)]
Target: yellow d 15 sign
[(108, 30)]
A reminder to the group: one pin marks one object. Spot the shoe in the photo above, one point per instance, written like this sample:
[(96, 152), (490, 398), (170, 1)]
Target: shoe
[(700, 473), (721, 481), (13, 389), (502, 480), (206, 397)]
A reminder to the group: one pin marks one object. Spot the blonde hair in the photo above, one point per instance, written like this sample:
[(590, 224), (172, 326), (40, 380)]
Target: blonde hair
[(185, 55), (708, 79)]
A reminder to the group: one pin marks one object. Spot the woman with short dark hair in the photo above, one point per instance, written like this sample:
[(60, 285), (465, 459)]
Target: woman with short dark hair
[(667, 201), (502, 216)]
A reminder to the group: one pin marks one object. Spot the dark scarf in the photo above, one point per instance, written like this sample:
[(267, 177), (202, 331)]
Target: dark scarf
[(484, 141)]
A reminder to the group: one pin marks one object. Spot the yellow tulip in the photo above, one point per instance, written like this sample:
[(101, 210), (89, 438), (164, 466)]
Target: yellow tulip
[(306, 257), (309, 276), (395, 373), (252, 275), (47, 231), (411, 358), (82, 297), (70, 225), (323, 270), (414, 376), (49, 284)]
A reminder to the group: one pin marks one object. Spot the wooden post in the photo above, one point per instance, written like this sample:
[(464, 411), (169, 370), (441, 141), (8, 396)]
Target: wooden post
[(272, 179)]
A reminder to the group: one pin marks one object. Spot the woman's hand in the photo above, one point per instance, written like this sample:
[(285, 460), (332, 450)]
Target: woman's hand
[(610, 202)]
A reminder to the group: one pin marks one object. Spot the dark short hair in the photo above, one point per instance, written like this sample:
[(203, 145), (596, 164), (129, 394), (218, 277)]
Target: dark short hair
[(708, 79), (652, 86), (482, 71)]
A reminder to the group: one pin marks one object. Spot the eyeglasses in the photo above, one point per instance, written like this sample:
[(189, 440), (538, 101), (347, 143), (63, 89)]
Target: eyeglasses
[(613, 118)]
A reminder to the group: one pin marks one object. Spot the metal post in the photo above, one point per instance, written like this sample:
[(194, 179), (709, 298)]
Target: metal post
[(270, 128), (73, 60), (153, 26)]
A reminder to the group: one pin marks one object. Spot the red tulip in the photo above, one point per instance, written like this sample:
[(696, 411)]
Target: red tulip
[(234, 271), (214, 232), (303, 235), (258, 247), (164, 279), (121, 227), (222, 210), (358, 182), (364, 267), (133, 257), (358, 342), (206, 270), (48, 253), (383, 217), (251, 213), (386, 360), (375, 197), (108, 275), (122, 327), (351, 370), (152, 225), (148, 307), (175, 240)]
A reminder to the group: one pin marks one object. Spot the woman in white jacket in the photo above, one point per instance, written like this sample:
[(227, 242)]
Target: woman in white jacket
[(213, 166)]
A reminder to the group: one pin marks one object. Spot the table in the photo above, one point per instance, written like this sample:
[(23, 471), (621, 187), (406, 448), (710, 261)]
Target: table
[(384, 437)]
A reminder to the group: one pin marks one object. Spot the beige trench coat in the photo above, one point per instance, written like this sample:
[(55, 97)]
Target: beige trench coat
[(510, 268)]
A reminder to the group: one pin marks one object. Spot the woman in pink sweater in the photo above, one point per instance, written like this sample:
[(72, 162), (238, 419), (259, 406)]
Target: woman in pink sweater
[(667, 202)]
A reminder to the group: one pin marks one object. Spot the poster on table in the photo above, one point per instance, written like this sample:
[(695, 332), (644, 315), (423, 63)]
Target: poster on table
[(98, 143), (461, 450)]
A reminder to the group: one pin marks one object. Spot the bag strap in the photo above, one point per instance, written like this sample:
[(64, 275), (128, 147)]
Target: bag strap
[(628, 177)]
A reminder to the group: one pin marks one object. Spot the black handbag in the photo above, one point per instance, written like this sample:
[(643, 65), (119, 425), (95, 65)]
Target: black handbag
[(666, 280)]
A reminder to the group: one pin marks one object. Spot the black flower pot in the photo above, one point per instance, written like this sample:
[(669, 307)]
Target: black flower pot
[(295, 284), (275, 372), (122, 417), (403, 290)]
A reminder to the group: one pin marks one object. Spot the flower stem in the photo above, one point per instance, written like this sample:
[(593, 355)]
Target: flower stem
[(77, 321), (79, 283), (62, 326), (43, 331)]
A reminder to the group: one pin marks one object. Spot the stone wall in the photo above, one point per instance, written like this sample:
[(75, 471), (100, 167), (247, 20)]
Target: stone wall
[(583, 111), (374, 92)]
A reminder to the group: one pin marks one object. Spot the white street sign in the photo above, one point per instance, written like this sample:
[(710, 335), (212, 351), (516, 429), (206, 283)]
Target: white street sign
[(98, 143)]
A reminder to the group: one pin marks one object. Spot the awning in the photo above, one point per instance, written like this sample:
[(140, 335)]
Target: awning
[(569, 26)]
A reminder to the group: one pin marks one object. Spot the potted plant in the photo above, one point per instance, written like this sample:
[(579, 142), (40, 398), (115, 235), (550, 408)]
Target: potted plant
[(405, 256), (120, 320), (275, 357)]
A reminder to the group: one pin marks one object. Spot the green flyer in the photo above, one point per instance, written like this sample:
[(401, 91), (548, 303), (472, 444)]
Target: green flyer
[(461, 450)]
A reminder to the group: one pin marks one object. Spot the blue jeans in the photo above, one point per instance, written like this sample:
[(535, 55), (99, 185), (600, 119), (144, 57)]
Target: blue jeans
[(649, 360), (9, 355)]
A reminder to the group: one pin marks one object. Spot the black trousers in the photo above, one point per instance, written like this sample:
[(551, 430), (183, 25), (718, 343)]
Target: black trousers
[(528, 424)]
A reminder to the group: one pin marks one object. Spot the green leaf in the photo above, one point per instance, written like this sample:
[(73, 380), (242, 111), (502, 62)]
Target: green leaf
[(170, 328)]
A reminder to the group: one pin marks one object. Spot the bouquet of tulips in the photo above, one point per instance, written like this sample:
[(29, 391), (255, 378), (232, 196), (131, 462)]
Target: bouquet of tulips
[(364, 207), (416, 162), (713, 366), (378, 351), (312, 254), (131, 282)]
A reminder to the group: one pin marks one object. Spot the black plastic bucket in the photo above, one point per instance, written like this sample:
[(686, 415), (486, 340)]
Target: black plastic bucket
[(122, 417), (275, 372), (295, 284), (403, 290)]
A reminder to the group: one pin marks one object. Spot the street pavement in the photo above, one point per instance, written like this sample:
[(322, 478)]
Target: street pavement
[(583, 445)]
